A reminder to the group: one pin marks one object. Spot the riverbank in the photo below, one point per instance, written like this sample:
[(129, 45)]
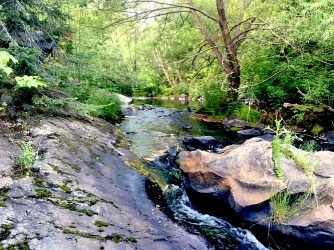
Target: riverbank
[(79, 193)]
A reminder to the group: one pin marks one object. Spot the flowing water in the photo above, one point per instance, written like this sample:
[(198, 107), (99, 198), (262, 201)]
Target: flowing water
[(152, 132)]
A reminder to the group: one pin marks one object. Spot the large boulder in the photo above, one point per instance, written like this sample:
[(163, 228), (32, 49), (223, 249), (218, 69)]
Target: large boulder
[(241, 181)]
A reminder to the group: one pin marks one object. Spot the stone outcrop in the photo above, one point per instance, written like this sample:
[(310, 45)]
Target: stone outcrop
[(241, 181), (80, 194)]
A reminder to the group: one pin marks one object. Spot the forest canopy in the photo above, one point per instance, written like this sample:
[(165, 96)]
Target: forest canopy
[(230, 52)]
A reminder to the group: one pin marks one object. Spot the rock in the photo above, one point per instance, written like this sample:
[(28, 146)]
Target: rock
[(187, 127), (241, 181), (201, 99), (236, 125), (124, 99), (127, 109), (183, 97), (328, 137), (141, 107), (201, 142), (249, 133), (7, 99), (145, 107), (267, 137), (83, 179), (131, 132)]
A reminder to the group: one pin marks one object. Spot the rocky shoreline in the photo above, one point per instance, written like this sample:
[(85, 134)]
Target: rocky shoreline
[(80, 194), (240, 184)]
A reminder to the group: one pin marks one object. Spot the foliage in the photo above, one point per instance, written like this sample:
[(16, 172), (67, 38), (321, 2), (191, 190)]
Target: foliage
[(247, 113), (278, 150), (285, 205), (5, 57), (52, 103), (309, 146), (28, 82), (288, 58), (103, 104), (27, 156), (213, 99)]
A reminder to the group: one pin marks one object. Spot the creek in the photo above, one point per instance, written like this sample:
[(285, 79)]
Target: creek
[(162, 124)]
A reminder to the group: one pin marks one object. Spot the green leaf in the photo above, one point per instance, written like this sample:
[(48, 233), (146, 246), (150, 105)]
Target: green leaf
[(29, 82), (5, 57)]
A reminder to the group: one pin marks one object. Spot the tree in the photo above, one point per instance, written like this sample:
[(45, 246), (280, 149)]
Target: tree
[(224, 44)]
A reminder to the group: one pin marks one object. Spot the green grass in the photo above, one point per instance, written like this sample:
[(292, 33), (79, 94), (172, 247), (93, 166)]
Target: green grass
[(285, 205)]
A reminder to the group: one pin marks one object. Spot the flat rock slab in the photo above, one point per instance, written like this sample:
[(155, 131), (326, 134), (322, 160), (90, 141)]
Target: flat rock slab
[(83, 196)]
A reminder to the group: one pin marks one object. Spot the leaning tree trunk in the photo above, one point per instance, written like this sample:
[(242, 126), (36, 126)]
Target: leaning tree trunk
[(226, 54)]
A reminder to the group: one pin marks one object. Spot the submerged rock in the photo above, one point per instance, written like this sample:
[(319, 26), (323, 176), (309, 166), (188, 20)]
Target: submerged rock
[(241, 181)]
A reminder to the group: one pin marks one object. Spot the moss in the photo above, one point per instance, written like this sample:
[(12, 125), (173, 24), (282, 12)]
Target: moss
[(116, 238), (86, 235), (65, 188), (235, 129), (144, 170), (68, 181), (89, 212), (19, 245), (131, 240), (92, 202), (74, 166), (58, 170), (3, 195), (5, 231), (85, 192), (38, 182), (101, 223), (317, 129), (43, 192), (69, 206)]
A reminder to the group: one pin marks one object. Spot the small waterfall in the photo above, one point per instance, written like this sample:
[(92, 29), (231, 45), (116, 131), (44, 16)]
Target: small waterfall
[(220, 230)]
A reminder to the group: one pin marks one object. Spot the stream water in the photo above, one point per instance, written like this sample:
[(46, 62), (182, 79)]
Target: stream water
[(152, 132)]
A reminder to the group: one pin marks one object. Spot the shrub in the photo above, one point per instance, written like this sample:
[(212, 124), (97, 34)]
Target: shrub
[(103, 104), (214, 99), (247, 113)]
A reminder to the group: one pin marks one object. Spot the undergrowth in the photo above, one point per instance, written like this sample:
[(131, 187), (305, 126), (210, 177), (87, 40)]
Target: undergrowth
[(284, 204)]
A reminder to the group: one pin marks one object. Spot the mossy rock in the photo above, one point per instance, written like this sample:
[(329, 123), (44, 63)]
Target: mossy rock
[(317, 129)]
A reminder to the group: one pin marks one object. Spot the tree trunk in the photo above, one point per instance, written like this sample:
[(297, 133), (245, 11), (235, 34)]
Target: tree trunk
[(227, 54), (233, 68)]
